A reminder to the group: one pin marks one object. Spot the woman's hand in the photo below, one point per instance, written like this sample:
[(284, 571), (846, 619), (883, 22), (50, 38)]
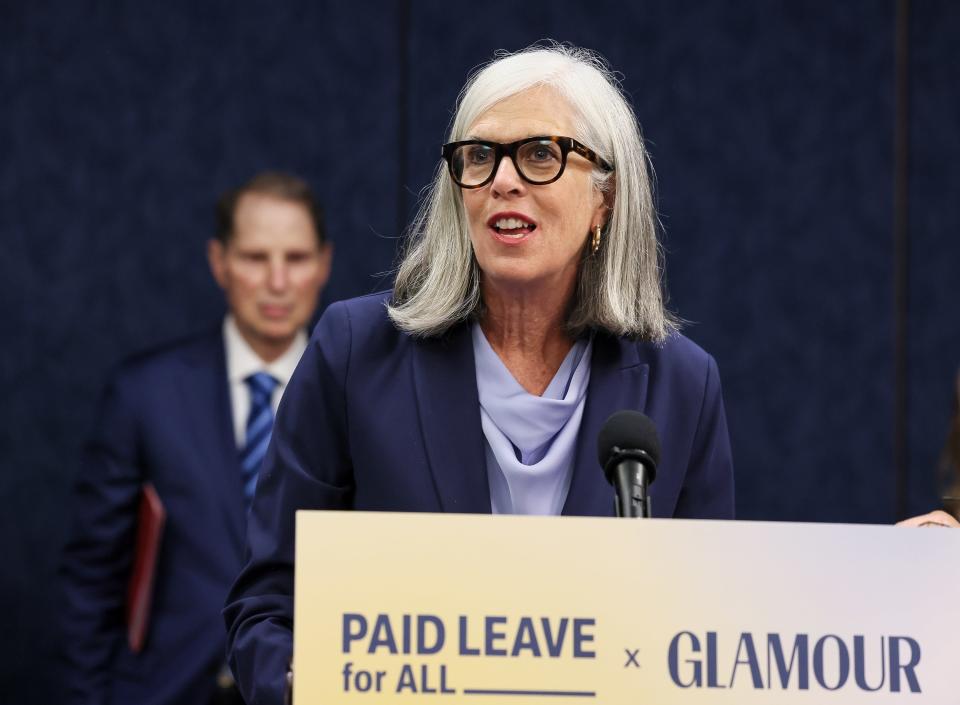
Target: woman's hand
[(936, 519)]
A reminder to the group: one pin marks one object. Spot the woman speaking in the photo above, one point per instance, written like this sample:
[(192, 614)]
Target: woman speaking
[(527, 308)]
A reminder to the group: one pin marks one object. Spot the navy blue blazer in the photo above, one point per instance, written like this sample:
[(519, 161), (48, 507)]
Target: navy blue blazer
[(374, 419), (165, 417)]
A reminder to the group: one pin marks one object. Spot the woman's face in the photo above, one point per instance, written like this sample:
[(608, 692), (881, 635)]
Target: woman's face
[(524, 235)]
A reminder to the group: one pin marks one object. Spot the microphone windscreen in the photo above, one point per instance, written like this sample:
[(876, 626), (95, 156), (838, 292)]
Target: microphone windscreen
[(628, 430)]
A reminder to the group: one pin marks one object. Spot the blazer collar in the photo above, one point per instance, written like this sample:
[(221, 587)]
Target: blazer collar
[(618, 380), (446, 389), (449, 407)]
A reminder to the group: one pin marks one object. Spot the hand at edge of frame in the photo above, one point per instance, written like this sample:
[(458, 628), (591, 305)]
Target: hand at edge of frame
[(935, 519)]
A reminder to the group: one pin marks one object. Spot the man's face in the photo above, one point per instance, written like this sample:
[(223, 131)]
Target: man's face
[(272, 271)]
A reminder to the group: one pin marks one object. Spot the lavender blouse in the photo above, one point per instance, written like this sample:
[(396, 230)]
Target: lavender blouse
[(530, 440)]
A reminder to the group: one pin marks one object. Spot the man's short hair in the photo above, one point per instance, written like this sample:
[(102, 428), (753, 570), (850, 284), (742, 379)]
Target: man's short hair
[(270, 183)]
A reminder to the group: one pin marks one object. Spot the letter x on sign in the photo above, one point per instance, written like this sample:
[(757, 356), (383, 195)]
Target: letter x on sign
[(631, 658)]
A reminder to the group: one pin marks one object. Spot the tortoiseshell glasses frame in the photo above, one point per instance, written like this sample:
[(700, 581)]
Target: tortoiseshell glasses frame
[(538, 160)]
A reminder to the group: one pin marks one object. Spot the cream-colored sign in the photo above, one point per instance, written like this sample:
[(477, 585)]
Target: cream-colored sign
[(424, 608)]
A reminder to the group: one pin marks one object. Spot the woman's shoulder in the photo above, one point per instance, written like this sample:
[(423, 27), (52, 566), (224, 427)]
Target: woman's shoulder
[(676, 361), (681, 348), (676, 350), (360, 324), (362, 311)]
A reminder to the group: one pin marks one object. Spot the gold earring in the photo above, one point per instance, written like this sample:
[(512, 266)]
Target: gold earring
[(595, 243)]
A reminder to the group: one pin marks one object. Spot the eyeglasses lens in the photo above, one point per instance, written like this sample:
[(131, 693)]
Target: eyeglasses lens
[(539, 161), (472, 163)]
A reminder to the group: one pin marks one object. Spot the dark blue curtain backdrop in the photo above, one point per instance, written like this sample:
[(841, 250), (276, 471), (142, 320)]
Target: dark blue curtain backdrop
[(934, 235), (771, 128)]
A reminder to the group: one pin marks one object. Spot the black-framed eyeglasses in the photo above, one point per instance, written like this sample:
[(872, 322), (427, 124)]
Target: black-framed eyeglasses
[(538, 160)]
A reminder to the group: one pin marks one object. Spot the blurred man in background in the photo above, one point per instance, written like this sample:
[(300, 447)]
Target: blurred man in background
[(191, 420)]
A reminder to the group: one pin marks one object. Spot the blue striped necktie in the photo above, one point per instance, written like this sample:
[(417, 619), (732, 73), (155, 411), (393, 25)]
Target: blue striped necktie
[(259, 426)]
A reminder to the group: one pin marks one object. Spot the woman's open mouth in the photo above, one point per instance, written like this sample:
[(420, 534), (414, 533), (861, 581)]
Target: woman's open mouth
[(511, 226)]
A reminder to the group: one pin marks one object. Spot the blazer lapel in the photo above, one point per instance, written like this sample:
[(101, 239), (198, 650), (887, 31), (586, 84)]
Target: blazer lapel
[(445, 383), (207, 400), (618, 380)]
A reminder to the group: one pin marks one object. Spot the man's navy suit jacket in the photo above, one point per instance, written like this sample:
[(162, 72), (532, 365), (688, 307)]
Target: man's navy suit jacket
[(374, 419), (165, 418)]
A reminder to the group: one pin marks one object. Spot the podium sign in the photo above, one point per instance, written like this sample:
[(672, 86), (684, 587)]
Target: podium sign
[(426, 608)]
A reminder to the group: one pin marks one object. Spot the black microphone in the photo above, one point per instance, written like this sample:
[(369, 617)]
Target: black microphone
[(629, 449)]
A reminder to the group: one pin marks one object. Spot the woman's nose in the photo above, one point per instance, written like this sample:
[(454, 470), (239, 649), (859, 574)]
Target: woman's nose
[(507, 180)]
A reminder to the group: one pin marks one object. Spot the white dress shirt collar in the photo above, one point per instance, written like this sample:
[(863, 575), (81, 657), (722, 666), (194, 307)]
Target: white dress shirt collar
[(242, 362)]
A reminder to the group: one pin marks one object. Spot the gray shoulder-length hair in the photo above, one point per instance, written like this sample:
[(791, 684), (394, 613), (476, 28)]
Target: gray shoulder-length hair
[(619, 288)]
